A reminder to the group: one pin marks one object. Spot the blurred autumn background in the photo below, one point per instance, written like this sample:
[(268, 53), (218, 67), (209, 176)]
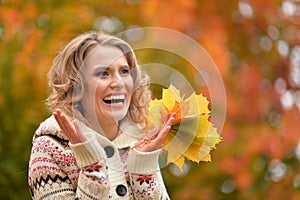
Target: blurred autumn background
[(254, 43)]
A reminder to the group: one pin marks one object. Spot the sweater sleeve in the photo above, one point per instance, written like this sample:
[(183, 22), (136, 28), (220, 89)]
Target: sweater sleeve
[(145, 175), (93, 179), (89, 152), (51, 169)]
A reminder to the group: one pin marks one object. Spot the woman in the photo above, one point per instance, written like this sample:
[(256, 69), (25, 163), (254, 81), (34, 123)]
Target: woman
[(95, 144)]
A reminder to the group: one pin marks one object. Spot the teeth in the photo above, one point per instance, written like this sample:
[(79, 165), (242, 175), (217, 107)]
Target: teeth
[(115, 97)]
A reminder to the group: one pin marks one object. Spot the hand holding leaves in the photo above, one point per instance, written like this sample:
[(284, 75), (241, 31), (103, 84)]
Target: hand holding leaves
[(192, 136), (156, 137)]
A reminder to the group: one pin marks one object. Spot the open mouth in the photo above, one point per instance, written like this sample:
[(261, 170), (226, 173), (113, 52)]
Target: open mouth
[(115, 99)]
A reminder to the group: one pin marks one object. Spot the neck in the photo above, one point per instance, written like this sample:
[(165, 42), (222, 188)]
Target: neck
[(109, 129)]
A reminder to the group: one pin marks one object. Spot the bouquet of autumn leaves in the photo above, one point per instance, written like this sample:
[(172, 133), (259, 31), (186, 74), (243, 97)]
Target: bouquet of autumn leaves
[(192, 136)]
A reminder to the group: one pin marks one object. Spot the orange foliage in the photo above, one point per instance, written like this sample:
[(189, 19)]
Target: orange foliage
[(238, 168), (32, 38), (177, 16), (232, 40), (12, 20), (30, 11), (214, 41)]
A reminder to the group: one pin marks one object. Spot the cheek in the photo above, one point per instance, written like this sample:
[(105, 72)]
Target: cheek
[(130, 90), (88, 97), (91, 93), (100, 87), (129, 83)]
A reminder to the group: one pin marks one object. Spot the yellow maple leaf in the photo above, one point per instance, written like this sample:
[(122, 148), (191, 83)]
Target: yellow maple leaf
[(191, 139), (192, 136), (170, 103), (198, 104)]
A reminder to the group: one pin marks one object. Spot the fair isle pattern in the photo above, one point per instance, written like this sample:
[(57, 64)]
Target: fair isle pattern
[(97, 173), (147, 185), (95, 189), (63, 158), (124, 156), (52, 169), (54, 173), (65, 193)]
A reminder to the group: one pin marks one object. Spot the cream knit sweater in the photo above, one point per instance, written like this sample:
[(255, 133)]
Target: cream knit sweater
[(96, 169)]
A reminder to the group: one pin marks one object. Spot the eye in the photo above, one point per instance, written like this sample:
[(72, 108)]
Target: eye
[(125, 71), (102, 74)]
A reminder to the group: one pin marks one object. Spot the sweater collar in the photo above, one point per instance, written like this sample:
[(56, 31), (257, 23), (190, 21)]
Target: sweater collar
[(129, 132)]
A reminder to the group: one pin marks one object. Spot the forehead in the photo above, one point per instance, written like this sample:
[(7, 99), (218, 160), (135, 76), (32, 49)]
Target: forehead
[(104, 55)]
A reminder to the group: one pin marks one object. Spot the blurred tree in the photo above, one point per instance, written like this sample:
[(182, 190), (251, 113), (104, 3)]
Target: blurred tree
[(255, 45)]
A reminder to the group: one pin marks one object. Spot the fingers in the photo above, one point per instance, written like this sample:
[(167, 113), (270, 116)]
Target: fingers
[(156, 140), (64, 123), (77, 127), (157, 143), (165, 130), (83, 137), (167, 125), (68, 128), (170, 119), (58, 115)]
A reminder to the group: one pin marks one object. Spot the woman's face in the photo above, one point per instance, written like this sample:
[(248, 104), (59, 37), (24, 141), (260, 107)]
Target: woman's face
[(109, 85)]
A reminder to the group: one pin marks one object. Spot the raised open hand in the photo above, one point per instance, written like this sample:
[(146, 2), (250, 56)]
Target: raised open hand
[(69, 128)]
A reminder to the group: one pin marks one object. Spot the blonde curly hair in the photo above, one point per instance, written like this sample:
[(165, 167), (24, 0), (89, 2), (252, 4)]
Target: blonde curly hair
[(67, 84)]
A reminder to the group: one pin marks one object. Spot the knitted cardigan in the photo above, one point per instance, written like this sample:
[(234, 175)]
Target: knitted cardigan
[(96, 169)]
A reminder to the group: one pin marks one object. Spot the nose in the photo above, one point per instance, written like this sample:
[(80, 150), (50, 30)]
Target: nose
[(117, 81)]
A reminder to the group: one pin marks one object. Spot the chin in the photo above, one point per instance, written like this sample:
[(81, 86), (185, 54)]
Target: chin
[(118, 115)]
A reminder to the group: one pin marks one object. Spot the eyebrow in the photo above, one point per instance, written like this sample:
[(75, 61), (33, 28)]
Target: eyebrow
[(100, 67), (104, 67), (125, 66)]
